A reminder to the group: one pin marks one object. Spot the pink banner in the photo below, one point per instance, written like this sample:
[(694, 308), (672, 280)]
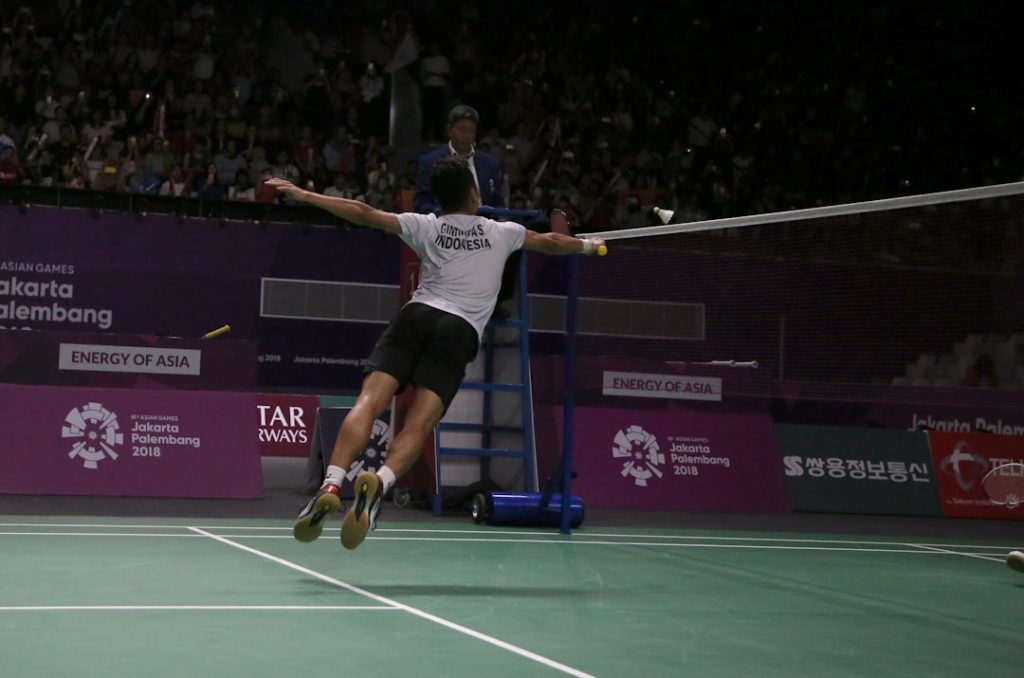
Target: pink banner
[(126, 442), (681, 459)]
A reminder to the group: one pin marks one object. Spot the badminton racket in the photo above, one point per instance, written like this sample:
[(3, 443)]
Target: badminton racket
[(217, 332), (1004, 485)]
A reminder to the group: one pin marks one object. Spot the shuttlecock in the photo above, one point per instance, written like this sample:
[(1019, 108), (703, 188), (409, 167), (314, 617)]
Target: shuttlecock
[(664, 216)]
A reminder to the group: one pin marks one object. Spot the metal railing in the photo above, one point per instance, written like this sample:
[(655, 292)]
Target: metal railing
[(99, 202)]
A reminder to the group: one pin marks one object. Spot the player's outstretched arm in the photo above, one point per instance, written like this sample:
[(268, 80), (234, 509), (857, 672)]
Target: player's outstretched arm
[(350, 210), (559, 243)]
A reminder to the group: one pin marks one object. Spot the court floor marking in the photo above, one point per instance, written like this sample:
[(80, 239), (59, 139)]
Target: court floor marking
[(190, 608), (731, 542), (958, 553), (768, 547), (96, 534), (552, 536), (540, 659), (915, 548)]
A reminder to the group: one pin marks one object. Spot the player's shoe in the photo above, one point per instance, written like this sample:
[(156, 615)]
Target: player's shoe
[(310, 522), (1016, 560), (362, 517)]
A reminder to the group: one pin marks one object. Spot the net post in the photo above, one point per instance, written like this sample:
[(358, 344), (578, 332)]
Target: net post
[(569, 402)]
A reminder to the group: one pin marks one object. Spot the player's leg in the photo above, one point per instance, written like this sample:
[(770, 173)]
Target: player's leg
[(424, 413), (377, 391), (447, 344), (388, 369)]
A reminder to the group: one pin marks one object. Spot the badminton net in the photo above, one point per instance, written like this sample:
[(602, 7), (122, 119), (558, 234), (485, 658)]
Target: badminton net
[(924, 291)]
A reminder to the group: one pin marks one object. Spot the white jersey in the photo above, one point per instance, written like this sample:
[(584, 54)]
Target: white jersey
[(461, 261)]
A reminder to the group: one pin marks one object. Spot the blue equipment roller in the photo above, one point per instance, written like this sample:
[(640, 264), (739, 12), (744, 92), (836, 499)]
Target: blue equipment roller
[(530, 509)]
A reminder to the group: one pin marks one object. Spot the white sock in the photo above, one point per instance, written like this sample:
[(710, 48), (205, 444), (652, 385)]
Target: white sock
[(387, 476), (334, 475)]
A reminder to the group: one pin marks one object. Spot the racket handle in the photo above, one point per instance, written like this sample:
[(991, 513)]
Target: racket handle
[(217, 332)]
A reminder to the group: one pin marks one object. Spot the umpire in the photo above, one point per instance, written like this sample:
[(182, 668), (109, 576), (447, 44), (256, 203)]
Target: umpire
[(488, 175)]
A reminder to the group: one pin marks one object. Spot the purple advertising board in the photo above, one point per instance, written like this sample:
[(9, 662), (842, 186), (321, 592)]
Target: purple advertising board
[(48, 357), (677, 460), (128, 442), (615, 381), (876, 406), (774, 311), (68, 270), (907, 408)]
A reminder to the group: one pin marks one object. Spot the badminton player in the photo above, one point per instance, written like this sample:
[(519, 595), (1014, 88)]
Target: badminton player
[(432, 338)]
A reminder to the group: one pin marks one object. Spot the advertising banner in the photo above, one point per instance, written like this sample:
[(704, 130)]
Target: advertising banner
[(49, 357), (672, 386), (961, 461), (680, 459), (286, 424), (128, 442), (68, 270), (907, 408), (850, 470)]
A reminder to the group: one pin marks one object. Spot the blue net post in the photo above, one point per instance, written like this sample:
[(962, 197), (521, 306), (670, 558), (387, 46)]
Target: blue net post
[(572, 292)]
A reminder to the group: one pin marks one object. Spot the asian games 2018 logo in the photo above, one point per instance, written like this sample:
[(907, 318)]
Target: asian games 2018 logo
[(97, 430), (640, 453), (376, 450)]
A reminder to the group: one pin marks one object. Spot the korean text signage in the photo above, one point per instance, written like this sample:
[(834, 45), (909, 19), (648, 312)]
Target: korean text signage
[(122, 442), (961, 461), (650, 459), (673, 386), (855, 470)]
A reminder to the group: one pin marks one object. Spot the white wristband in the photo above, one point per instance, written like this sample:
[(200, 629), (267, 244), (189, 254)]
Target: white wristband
[(588, 246)]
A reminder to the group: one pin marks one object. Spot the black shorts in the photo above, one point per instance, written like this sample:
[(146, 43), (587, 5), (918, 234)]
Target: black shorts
[(426, 347)]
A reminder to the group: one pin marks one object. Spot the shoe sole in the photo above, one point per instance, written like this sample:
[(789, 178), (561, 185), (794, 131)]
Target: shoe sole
[(309, 527), (1016, 561), (357, 520)]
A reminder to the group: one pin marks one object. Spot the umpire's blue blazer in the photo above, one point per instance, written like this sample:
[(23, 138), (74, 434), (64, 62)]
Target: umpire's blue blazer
[(488, 172)]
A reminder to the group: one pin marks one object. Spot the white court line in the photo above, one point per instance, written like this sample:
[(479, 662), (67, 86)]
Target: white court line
[(731, 541), (956, 553), (393, 603), (95, 534), (767, 547), (115, 526), (186, 608), (492, 540), (553, 536)]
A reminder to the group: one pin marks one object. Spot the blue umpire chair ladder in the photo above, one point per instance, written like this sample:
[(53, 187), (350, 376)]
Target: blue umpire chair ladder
[(487, 428)]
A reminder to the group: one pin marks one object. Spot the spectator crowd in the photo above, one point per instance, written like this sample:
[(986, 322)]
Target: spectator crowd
[(709, 109)]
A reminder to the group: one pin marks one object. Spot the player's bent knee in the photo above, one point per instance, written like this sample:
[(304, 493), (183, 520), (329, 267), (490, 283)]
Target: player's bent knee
[(370, 405), (378, 390), (420, 421)]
